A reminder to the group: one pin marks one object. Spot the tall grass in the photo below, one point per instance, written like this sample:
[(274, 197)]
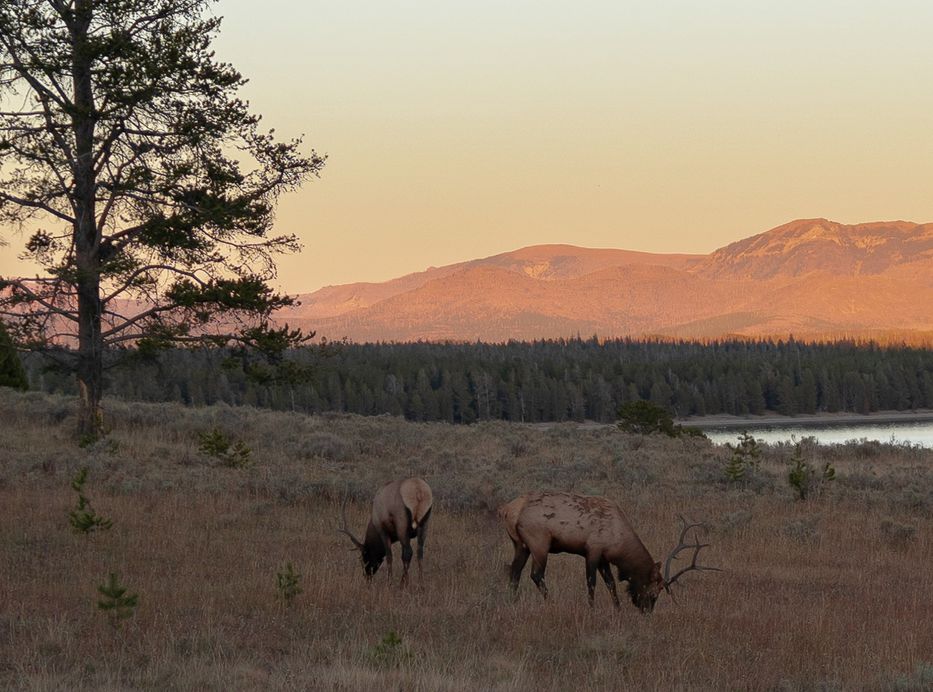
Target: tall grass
[(835, 592)]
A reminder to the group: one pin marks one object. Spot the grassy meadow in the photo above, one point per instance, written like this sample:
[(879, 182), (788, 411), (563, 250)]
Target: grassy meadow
[(832, 592)]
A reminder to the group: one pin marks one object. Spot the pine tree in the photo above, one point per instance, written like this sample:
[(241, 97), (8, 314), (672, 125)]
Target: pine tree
[(115, 601), (83, 518), (127, 139)]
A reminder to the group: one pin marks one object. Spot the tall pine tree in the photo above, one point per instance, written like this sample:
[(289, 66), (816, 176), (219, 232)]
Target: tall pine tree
[(124, 137)]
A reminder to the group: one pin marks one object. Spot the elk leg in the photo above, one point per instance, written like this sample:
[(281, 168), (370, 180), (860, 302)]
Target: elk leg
[(538, 565), (422, 533), (387, 543), (518, 564), (606, 572), (591, 580), (407, 552)]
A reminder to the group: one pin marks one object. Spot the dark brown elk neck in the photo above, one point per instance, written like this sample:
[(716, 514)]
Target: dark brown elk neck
[(637, 563), (373, 542)]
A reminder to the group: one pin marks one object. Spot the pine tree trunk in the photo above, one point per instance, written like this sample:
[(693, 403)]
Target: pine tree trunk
[(90, 357), (86, 236)]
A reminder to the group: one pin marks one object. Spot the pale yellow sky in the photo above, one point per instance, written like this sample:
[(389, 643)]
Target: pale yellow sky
[(460, 129)]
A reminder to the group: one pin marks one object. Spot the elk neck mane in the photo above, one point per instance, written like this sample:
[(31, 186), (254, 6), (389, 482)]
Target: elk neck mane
[(375, 547), (637, 561)]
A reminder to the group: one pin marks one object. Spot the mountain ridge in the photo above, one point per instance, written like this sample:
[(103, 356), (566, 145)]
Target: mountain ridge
[(809, 276)]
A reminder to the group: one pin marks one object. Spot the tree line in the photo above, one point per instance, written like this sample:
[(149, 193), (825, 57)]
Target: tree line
[(555, 380)]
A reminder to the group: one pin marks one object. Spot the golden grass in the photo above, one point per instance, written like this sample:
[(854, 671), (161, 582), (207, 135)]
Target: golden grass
[(816, 594)]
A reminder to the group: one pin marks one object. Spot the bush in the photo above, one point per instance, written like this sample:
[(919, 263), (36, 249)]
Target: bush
[(644, 418), (731, 522), (803, 530), (218, 445), (326, 446), (803, 477), (920, 679), (897, 534)]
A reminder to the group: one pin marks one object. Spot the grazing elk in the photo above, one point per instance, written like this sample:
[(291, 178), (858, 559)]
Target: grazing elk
[(597, 529), (401, 510)]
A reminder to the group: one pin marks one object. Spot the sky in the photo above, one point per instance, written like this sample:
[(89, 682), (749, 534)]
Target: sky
[(461, 129)]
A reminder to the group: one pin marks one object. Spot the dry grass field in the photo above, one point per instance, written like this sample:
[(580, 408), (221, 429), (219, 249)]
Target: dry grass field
[(835, 592)]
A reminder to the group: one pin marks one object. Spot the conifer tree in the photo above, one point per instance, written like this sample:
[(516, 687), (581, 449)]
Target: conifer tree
[(125, 138), (115, 601)]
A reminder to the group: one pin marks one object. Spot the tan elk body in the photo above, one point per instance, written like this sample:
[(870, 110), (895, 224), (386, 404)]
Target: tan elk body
[(597, 529), (400, 512)]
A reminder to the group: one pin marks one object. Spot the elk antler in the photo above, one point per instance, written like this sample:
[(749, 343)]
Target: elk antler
[(681, 546), (343, 528)]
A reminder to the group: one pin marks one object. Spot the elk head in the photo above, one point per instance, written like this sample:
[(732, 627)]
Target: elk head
[(371, 558), (646, 594)]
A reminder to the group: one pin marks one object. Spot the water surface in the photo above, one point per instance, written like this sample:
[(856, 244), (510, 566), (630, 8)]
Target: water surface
[(917, 433)]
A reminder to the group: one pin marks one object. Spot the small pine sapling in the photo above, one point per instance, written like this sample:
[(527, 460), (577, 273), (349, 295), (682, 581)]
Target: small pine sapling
[(802, 475), (746, 455), (240, 456), (213, 443), (750, 450), (735, 468), (83, 518), (391, 650), (287, 583), (218, 445), (115, 601)]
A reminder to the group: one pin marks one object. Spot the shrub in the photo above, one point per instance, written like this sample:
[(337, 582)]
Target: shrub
[(897, 534), (326, 446), (235, 454), (802, 530), (916, 497), (920, 679), (644, 418), (734, 521)]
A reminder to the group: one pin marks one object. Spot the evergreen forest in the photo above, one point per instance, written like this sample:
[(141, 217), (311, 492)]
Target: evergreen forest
[(539, 381)]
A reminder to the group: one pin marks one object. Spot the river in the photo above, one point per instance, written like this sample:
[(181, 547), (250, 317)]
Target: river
[(912, 432)]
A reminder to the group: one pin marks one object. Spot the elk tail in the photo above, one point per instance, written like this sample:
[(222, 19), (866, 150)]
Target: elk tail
[(417, 500)]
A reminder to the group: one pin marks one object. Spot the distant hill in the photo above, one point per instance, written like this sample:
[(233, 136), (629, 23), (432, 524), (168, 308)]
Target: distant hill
[(812, 278)]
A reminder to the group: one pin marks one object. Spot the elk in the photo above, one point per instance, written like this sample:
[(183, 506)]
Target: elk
[(597, 529), (400, 512)]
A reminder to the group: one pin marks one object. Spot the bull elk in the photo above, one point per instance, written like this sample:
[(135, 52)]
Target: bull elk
[(400, 512), (597, 529)]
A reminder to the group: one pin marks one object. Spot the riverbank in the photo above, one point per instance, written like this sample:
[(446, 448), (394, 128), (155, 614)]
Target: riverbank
[(724, 421)]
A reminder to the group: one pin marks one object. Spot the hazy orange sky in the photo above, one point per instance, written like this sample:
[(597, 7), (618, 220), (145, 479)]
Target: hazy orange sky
[(462, 129)]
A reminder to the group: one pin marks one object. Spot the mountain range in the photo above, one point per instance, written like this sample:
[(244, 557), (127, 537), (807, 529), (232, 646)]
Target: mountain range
[(811, 278)]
